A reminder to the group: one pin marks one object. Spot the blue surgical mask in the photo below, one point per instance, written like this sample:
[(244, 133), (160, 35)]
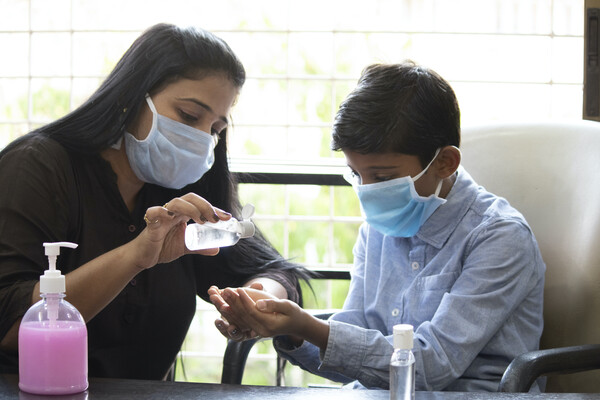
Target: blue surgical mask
[(173, 154), (394, 207)]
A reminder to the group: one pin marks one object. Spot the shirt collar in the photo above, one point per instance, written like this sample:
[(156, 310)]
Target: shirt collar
[(438, 228)]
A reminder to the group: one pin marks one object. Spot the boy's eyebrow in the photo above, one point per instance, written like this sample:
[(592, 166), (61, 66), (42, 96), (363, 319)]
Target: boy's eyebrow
[(375, 167), (203, 105), (378, 167)]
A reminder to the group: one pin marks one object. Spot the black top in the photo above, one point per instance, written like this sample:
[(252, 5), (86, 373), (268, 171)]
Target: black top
[(50, 195)]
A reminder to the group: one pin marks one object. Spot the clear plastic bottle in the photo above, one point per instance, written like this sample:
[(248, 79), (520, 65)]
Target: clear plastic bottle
[(221, 233), (53, 338), (402, 364)]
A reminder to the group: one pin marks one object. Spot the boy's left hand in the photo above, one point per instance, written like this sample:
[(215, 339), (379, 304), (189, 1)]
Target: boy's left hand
[(270, 316), (234, 322)]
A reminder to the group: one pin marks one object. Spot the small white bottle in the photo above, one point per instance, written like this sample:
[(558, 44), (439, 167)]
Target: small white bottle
[(402, 364), (211, 235)]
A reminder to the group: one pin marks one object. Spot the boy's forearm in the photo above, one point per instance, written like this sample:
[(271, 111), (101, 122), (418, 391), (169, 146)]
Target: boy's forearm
[(313, 330)]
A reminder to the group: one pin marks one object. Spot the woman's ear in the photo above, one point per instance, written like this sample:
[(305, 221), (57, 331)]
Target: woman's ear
[(447, 161)]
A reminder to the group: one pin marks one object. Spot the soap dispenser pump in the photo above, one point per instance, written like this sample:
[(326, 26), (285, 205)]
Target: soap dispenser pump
[(53, 337)]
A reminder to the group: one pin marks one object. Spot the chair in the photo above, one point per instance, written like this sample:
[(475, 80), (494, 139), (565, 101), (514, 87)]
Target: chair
[(550, 172)]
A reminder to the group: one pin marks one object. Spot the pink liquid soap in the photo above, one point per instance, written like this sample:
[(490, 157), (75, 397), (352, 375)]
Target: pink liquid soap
[(53, 357)]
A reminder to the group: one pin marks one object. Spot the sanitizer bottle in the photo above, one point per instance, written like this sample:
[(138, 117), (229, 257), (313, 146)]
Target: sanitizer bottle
[(211, 235), (402, 364), (53, 338)]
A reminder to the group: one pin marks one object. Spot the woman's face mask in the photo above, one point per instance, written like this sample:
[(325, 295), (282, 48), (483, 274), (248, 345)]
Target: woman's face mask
[(394, 207), (173, 154)]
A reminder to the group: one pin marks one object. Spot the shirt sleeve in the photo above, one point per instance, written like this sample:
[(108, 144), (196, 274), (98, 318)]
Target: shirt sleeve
[(499, 270), (32, 211)]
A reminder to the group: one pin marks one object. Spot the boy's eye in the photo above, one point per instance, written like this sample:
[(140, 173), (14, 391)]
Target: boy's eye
[(355, 176), (352, 177), (383, 178)]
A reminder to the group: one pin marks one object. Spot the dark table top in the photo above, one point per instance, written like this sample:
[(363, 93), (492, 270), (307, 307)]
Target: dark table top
[(117, 389)]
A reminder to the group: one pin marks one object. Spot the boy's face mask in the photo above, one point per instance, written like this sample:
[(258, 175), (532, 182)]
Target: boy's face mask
[(394, 207), (173, 154)]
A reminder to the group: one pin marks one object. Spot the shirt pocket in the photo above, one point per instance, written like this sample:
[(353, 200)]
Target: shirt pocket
[(427, 295)]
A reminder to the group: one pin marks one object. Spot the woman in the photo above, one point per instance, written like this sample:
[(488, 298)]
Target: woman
[(121, 176)]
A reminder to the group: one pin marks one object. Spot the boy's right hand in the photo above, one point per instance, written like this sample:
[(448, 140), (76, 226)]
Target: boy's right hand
[(272, 317)]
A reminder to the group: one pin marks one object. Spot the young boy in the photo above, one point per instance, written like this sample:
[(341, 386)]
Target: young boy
[(436, 251)]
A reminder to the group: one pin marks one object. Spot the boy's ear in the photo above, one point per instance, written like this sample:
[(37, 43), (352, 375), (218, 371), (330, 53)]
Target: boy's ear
[(447, 161)]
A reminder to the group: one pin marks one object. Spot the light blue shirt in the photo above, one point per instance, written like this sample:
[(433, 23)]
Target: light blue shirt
[(470, 282)]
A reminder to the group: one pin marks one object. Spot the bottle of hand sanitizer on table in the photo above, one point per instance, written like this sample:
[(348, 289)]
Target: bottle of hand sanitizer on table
[(402, 364), (53, 338)]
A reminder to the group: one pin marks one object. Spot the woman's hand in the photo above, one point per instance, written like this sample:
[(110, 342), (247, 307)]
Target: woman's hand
[(163, 239)]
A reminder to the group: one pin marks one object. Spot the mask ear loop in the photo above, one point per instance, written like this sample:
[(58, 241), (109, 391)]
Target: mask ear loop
[(154, 117), (439, 186), (150, 103), (420, 174)]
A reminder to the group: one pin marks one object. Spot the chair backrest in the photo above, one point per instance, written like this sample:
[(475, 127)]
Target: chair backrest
[(550, 172)]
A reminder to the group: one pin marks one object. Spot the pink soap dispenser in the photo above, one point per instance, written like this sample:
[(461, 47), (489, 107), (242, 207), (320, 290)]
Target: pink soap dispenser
[(53, 338)]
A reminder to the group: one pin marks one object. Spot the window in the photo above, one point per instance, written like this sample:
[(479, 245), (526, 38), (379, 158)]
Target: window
[(506, 60)]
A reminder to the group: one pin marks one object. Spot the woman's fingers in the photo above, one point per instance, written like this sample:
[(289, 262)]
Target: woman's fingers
[(222, 326), (156, 216), (196, 208), (214, 290), (216, 298), (163, 240)]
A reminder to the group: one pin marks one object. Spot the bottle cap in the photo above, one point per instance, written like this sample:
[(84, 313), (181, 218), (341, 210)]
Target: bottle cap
[(247, 228), (403, 336), (53, 281), (248, 211)]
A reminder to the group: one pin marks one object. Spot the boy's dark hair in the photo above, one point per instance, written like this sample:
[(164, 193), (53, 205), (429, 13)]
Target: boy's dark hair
[(403, 108)]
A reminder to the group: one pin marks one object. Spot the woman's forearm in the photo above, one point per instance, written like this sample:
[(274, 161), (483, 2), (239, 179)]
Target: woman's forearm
[(270, 286)]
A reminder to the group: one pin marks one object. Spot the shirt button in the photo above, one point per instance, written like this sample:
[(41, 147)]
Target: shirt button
[(415, 266), (133, 282), (131, 228), (395, 312)]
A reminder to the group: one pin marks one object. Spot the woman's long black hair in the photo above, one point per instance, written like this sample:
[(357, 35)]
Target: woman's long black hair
[(161, 55)]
